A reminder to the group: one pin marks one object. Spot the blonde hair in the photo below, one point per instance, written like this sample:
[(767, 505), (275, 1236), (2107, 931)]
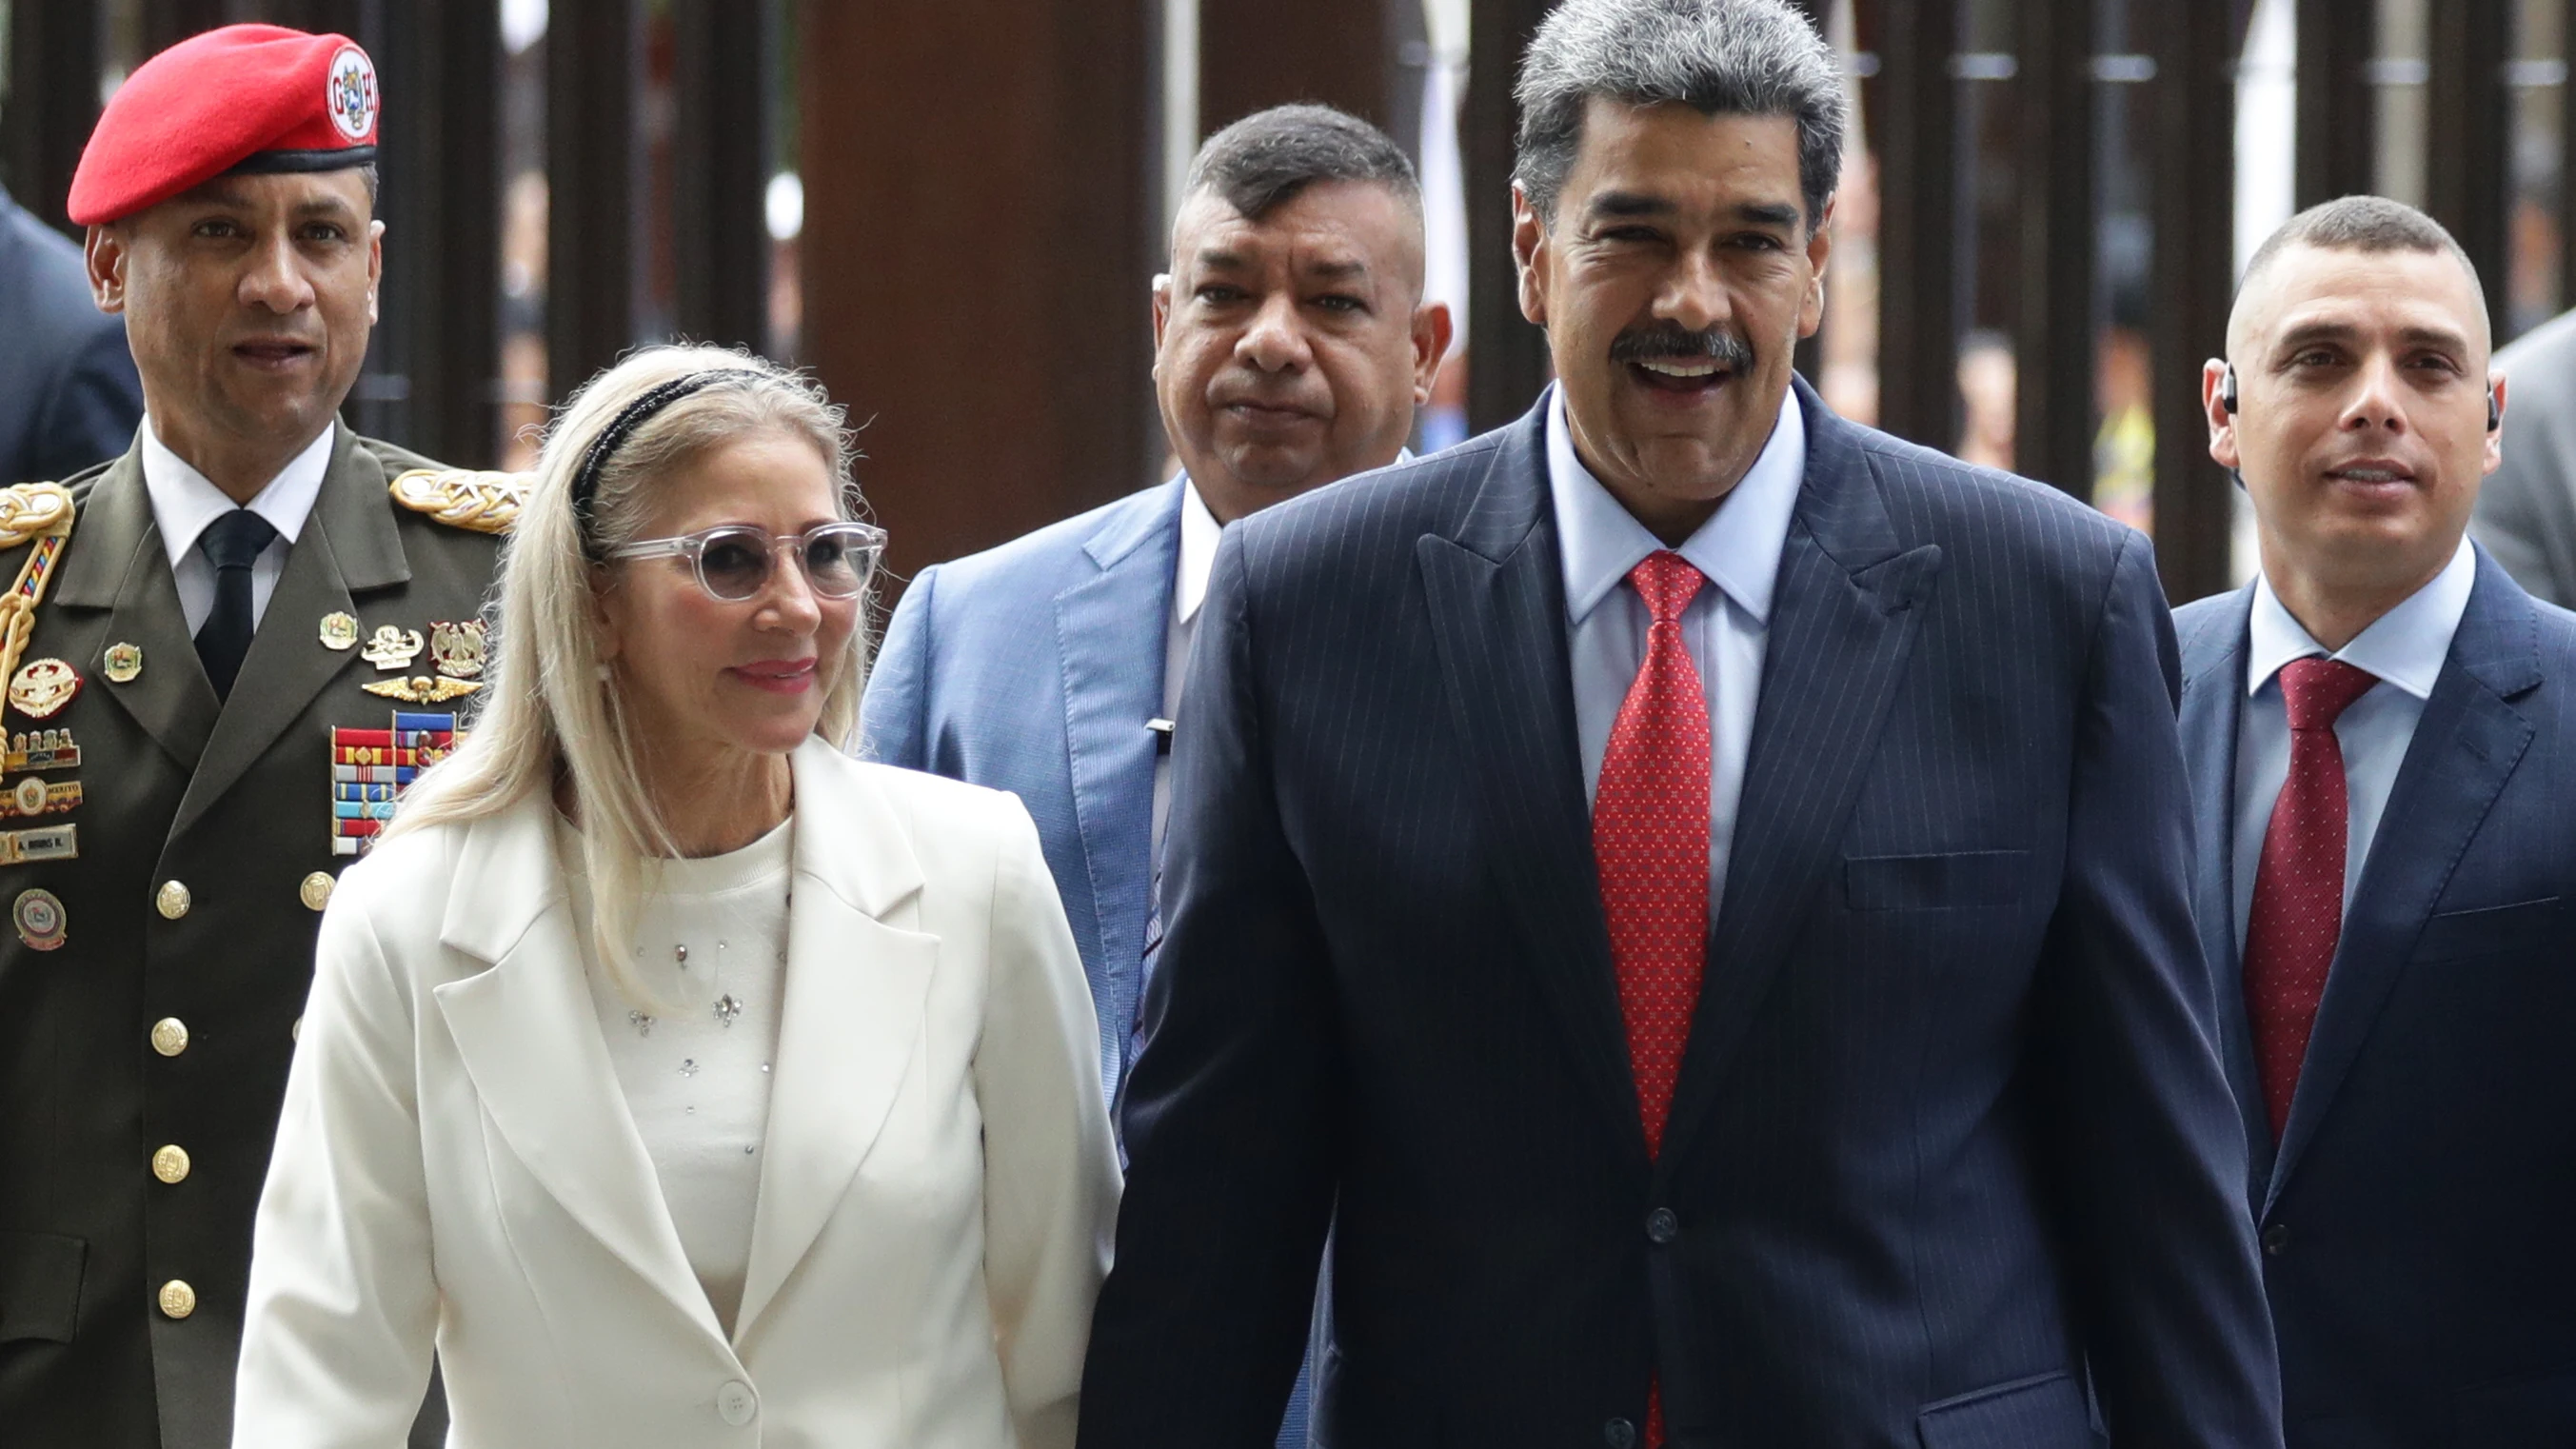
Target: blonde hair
[(550, 711)]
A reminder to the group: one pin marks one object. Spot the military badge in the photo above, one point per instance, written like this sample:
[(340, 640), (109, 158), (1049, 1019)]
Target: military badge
[(393, 647), (369, 769), (54, 842), (42, 750), (458, 648), (40, 919), (32, 796), (421, 689), (124, 663), (339, 631), (463, 498), (43, 686)]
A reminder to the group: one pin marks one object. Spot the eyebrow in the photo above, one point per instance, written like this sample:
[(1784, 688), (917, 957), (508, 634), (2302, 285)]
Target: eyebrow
[(1614, 205), (2441, 338), (1337, 271)]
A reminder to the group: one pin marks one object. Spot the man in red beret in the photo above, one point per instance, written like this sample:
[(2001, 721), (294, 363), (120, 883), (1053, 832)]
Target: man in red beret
[(243, 642)]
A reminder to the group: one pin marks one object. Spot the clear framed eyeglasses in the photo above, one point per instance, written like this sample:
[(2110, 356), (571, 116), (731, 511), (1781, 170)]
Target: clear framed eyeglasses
[(733, 560)]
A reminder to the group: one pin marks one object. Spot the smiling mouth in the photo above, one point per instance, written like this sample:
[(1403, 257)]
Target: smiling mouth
[(1682, 376), (778, 675)]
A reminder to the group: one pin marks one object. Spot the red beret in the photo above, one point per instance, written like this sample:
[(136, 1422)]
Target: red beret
[(243, 98)]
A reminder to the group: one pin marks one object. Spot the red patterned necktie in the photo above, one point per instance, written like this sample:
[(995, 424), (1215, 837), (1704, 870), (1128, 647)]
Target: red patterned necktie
[(1650, 843), (2290, 934)]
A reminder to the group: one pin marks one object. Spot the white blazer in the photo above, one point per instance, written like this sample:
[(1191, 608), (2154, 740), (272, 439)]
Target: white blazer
[(456, 1161)]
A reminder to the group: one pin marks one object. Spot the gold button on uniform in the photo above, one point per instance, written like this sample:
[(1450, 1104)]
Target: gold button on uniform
[(172, 900), (169, 1036), (178, 1300), (170, 1164), (295, 1032), (316, 890)]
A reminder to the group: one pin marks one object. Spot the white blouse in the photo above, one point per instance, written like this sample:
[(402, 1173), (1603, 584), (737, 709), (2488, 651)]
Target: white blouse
[(695, 1061)]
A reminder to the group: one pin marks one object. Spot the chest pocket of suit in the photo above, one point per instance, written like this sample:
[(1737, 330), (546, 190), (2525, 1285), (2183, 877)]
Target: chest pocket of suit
[(2492, 931), (1934, 882)]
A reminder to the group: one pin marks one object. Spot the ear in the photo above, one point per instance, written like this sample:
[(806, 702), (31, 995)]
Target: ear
[(2494, 454), (1531, 252), (106, 253), (1820, 249), (1432, 330), (2222, 423), (1162, 294), (375, 267), (606, 617)]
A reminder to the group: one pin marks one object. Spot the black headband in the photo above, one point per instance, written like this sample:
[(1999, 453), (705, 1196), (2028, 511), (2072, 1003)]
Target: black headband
[(585, 480)]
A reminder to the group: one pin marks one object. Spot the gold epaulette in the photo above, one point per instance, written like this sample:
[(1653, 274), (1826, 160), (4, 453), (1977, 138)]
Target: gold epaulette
[(464, 498), (28, 510)]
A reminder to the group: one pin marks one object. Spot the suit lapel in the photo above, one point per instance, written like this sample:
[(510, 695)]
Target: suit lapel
[(287, 666), (2466, 746), (117, 563), (1496, 595), (1110, 637), (528, 1033), (1842, 626), (857, 991), (2213, 704)]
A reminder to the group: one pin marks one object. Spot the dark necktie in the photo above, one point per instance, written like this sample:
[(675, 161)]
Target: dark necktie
[(230, 543), (2297, 919), (1650, 845)]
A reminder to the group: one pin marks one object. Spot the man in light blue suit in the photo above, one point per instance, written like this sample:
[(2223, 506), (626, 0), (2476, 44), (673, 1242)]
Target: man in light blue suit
[(1292, 345)]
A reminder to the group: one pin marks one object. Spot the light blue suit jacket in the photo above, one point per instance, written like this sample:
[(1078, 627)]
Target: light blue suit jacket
[(1032, 668)]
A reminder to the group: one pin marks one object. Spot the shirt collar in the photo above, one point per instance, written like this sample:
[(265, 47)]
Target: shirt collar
[(185, 501), (2404, 647), (1200, 534), (1738, 549)]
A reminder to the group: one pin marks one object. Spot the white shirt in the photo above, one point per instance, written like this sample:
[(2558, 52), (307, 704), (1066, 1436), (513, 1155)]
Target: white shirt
[(185, 501), (2404, 648), (1726, 628), (1200, 534), (711, 944)]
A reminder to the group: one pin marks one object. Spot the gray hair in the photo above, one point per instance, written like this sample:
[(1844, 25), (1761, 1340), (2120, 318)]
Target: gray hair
[(1741, 57), (1265, 159), (2363, 224), (551, 709)]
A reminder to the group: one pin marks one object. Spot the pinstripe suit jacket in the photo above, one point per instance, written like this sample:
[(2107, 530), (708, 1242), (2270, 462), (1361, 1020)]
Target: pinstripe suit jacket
[(1951, 1125)]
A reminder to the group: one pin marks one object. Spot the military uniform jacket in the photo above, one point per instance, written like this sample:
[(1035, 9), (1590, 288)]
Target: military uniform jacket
[(150, 990)]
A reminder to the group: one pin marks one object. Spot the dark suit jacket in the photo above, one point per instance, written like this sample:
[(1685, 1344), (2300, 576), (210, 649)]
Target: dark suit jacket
[(69, 398), (1951, 1124), (2419, 1220), (233, 801)]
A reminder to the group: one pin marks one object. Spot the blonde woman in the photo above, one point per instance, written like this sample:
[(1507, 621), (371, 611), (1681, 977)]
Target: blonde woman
[(685, 1081)]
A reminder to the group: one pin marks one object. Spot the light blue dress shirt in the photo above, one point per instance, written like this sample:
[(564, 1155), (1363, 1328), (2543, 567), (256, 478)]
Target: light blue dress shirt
[(2404, 649), (1726, 628)]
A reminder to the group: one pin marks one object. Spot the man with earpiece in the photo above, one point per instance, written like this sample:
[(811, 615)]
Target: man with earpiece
[(2381, 734)]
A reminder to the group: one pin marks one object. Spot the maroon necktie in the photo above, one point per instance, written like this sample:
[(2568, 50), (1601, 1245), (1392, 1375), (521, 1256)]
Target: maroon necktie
[(1650, 843), (2297, 918)]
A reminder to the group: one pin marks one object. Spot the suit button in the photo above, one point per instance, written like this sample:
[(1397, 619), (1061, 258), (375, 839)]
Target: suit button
[(170, 1164), (315, 892), (172, 900), (178, 1300), (2276, 1240), (734, 1403), (1619, 1434), (1662, 1226), (169, 1036)]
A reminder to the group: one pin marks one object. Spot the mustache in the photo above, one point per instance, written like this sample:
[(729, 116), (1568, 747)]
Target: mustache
[(1668, 342)]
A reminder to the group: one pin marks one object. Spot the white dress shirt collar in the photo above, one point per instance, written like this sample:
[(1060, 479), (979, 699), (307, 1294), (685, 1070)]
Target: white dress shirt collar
[(1200, 534), (185, 501), (2404, 647), (1738, 548)]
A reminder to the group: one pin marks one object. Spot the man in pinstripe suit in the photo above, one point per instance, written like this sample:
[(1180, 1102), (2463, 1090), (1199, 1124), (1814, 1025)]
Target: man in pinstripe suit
[(1691, 892)]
